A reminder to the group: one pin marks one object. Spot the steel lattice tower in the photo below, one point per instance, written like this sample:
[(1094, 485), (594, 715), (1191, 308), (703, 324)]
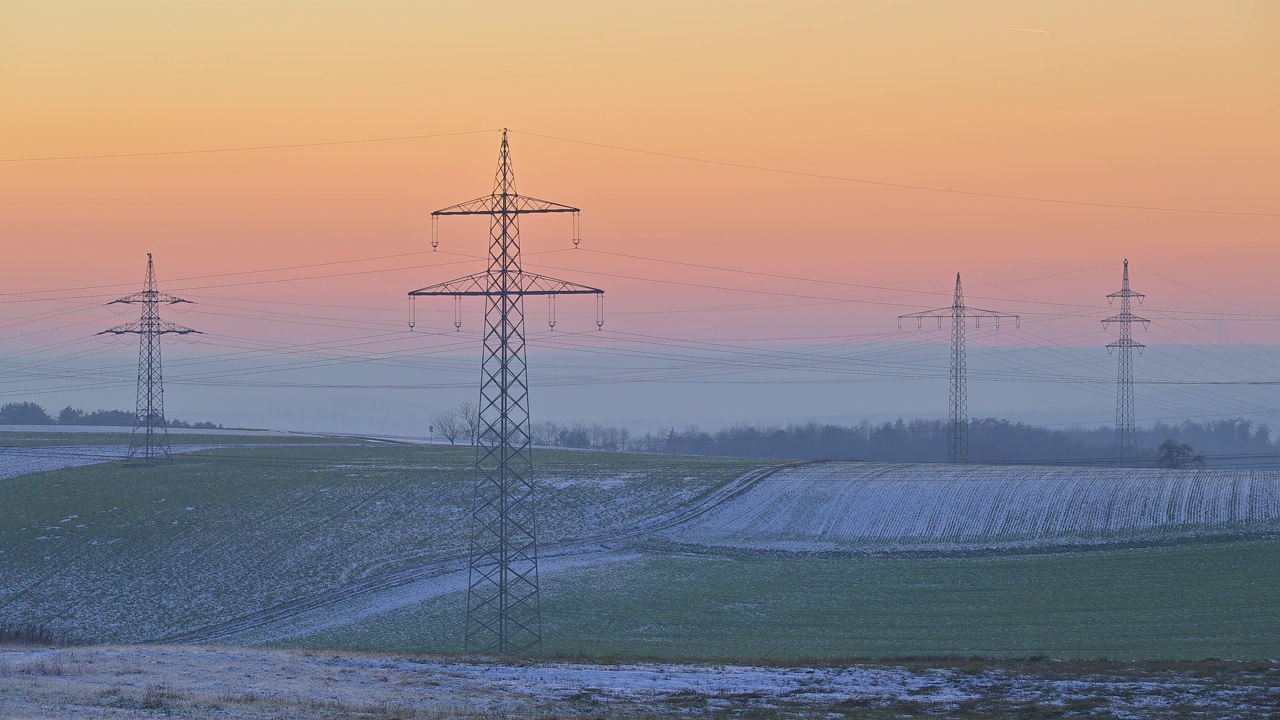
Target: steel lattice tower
[(150, 431), (958, 422), (1126, 432), (503, 602)]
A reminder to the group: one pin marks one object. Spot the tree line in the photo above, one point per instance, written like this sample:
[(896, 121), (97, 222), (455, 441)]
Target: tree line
[(29, 413), (1230, 442)]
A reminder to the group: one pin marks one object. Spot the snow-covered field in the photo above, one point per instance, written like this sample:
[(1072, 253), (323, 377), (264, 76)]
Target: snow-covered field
[(124, 429), (352, 545), (185, 681), (878, 507), (112, 554), (15, 462)]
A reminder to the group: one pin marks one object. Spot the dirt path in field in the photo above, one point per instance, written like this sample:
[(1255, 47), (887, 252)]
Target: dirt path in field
[(446, 575)]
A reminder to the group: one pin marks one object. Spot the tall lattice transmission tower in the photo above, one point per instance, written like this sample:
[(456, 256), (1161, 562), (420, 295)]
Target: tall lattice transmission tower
[(150, 431), (958, 422), (503, 600), (1126, 432)]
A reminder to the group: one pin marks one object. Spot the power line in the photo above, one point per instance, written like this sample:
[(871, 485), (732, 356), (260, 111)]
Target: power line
[(689, 368), (248, 148), (903, 186), (655, 153), (283, 268), (901, 290)]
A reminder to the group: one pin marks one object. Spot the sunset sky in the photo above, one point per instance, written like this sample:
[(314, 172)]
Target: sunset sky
[(1170, 105)]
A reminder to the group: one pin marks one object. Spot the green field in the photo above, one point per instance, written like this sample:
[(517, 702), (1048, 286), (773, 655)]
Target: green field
[(114, 553), (122, 436), (1193, 601), (108, 553)]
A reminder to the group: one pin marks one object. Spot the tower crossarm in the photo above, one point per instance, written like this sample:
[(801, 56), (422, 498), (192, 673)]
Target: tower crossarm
[(1126, 317), (146, 296), (505, 204), (920, 317), (1125, 342), (1125, 293), (157, 327), (482, 284), (951, 312), (978, 314)]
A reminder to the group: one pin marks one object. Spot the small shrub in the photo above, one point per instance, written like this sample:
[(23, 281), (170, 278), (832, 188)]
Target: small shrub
[(51, 668), (245, 698), (12, 634), (111, 693), (157, 697)]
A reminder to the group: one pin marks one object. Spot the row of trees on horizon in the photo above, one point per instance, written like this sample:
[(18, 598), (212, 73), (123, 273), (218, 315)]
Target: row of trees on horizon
[(29, 413), (1230, 442)]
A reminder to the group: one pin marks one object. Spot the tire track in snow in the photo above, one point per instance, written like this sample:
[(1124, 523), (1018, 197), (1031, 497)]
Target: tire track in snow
[(603, 543)]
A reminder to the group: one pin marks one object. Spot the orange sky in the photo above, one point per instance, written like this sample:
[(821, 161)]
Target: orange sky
[(1146, 103)]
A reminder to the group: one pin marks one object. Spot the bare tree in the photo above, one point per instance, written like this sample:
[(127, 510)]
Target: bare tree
[(449, 424), (543, 432), (1173, 454), (470, 417)]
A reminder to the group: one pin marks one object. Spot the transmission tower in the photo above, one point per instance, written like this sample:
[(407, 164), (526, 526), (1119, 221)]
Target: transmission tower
[(958, 423), (503, 603), (1126, 432), (150, 431)]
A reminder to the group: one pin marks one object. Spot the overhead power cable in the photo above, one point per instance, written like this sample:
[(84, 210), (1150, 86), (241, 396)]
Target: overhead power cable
[(842, 283), (674, 156), (246, 148), (902, 186), (261, 270), (263, 282)]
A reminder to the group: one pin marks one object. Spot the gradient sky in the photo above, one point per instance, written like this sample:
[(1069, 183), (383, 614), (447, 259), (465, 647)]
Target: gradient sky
[(1168, 104)]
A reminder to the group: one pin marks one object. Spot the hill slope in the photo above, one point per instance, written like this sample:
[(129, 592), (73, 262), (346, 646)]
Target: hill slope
[(880, 507)]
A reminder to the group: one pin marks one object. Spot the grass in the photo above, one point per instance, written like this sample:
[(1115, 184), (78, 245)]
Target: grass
[(1187, 602), (247, 683), (1190, 601), (122, 436), (13, 634), (106, 553), (110, 553)]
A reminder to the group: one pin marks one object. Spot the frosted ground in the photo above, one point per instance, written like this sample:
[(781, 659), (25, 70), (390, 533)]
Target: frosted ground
[(814, 513), (15, 462), (108, 553), (833, 507), (363, 548), (124, 430), (334, 550), (190, 681)]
